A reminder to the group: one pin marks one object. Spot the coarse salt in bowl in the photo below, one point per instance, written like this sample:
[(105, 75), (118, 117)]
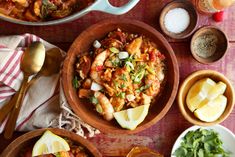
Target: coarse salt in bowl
[(178, 19)]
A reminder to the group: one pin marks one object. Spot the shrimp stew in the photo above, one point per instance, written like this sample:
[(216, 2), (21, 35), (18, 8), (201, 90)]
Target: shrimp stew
[(75, 151), (121, 71), (41, 10)]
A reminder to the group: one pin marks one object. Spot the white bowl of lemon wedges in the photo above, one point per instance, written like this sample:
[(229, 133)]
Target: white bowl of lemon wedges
[(206, 97)]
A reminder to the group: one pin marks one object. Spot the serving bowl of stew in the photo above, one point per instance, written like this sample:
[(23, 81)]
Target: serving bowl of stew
[(139, 75), (23, 145), (50, 12)]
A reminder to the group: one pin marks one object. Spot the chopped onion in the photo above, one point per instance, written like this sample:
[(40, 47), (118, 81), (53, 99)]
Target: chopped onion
[(130, 65), (130, 97), (95, 86), (96, 44), (123, 55)]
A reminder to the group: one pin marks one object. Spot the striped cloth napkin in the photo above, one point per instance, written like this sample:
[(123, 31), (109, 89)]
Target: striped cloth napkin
[(44, 104)]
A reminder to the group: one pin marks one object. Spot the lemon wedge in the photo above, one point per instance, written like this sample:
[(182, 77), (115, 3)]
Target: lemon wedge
[(49, 143), (198, 93), (212, 110), (216, 90), (131, 118)]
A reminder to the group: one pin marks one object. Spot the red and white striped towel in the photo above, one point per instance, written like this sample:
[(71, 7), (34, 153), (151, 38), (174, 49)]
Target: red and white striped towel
[(43, 105)]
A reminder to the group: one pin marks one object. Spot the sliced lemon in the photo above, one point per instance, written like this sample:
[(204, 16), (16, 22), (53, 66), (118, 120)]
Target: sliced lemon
[(198, 92), (131, 118), (49, 143), (216, 90), (212, 110)]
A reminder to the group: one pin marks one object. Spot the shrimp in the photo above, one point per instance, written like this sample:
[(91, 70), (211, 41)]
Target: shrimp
[(105, 105), (145, 99), (154, 85), (134, 46), (97, 65)]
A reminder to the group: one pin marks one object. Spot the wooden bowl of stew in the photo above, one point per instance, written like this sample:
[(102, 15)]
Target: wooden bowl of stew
[(21, 144), (84, 109)]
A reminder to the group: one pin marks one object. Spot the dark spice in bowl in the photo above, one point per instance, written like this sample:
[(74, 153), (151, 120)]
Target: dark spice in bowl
[(209, 44), (205, 45)]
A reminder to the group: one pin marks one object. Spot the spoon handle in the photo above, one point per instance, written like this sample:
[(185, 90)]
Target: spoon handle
[(11, 123), (8, 107), (10, 104)]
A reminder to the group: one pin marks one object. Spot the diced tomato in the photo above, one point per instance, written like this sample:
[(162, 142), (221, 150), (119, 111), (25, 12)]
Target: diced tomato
[(152, 56), (160, 55), (99, 67)]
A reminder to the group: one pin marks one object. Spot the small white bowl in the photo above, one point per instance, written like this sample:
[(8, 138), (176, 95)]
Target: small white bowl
[(227, 137)]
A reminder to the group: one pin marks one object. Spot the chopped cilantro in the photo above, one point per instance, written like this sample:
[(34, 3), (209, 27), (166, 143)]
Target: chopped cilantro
[(123, 76), (142, 88), (121, 95), (76, 83), (123, 85), (94, 100), (201, 143)]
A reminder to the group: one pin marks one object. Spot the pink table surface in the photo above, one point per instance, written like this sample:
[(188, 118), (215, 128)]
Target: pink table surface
[(162, 135)]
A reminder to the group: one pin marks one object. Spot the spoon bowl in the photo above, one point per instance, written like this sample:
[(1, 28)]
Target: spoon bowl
[(33, 58)]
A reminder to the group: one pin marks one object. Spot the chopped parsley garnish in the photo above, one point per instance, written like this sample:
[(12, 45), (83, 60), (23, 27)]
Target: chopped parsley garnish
[(142, 88), (121, 95), (201, 143), (94, 100), (76, 83), (123, 76), (123, 85)]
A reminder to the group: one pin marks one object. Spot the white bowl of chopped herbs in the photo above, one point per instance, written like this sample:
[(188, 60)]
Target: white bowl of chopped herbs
[(212, 141)]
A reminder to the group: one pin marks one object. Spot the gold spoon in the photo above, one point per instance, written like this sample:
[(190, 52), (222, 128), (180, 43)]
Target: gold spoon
[(51, 66), (31, 63)]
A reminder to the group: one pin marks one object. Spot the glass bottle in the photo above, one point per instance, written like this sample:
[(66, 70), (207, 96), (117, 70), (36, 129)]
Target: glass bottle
[(212, 6)]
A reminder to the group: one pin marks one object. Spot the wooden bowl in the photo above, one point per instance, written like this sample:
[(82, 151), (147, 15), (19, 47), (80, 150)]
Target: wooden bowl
[(188, 83), (188, 6), (29, 139), (84, 41), (221, 44)]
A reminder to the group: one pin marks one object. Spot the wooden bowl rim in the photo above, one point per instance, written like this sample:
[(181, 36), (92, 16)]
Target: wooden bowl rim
[(166, 46), (205, 61), (60, 132), (181, 104), (185, 3)]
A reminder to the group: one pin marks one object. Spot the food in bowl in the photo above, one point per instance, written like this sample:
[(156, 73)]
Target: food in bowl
[(41, 10), (201, 142), (50, 145), (206, 100), (121, 71), (141, 151)]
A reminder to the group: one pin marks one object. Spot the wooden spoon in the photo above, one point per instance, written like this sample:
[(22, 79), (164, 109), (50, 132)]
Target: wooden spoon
[(32, 62)]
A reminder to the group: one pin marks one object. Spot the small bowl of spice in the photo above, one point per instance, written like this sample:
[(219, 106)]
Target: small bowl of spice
[(178, 19), (209, 44)]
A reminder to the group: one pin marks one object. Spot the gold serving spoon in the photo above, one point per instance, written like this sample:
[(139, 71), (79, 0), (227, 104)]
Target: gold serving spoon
[(31, 63), (51, 66)]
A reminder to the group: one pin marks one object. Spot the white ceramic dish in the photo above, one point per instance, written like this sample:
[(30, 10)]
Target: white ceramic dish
[(98, 5), (225, 134)]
